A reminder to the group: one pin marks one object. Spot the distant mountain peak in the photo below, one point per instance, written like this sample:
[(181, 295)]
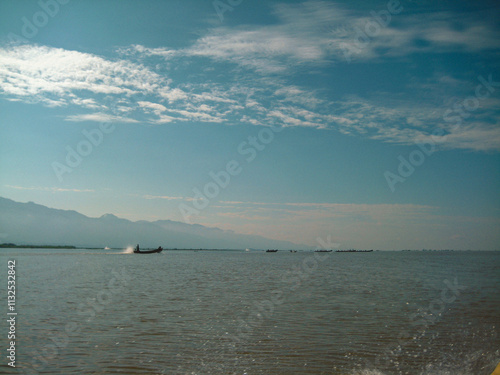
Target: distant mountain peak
[(109, 217)]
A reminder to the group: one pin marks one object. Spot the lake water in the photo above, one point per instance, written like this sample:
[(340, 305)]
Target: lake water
[(236, 312)]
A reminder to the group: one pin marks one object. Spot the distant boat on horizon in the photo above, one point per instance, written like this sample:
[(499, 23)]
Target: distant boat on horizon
[(271, 250), (353, 251)]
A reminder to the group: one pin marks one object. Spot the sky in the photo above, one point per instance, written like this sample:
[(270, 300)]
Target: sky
[(374, 123)]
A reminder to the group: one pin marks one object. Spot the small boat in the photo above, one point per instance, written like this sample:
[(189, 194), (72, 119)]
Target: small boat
[(138, 251), (271, 250)]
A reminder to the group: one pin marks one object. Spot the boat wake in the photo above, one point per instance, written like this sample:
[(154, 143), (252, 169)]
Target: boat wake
[(128, 250)]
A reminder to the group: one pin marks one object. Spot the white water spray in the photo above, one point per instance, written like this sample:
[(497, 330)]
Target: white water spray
[(128, 250)]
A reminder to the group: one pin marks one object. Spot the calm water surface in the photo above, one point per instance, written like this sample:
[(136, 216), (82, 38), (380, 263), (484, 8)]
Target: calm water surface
[(225, 312)]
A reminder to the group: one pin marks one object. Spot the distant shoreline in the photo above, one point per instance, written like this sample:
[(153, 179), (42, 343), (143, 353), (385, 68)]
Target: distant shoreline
[(14, 246), (71, 247)]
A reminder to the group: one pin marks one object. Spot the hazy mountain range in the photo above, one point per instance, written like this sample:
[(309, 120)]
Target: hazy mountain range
[(34, 224)]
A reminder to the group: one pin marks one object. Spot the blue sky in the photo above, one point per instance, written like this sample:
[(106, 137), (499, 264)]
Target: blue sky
[(375, 123)]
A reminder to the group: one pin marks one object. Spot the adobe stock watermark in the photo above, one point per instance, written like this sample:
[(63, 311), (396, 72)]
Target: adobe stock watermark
[(74, 158), (222, 6), (39, 19), (456, 115), (264, 308), (394, 355), (220, 180), (60, 340), (91, 139), (371, 29), (292, 279)]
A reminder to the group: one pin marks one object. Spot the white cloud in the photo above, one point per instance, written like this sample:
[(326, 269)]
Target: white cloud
[(340, 207), (404, 123), (485, 137), (308, 35), (86, 103), (145, 51), (99, 117), (265, 49), (167, 198), (198, 116), (173, 95), (318, 32), (154, 107), (29, 70), (26, 75), (288, 120), (51, 189)]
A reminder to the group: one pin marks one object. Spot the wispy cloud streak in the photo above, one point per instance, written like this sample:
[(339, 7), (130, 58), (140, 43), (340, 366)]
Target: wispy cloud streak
[(50, 189)]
